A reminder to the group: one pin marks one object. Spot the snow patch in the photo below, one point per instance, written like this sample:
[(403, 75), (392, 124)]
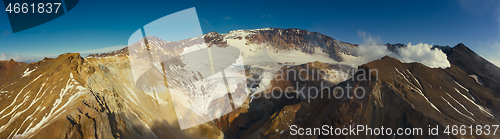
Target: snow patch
[(464, 89), (477, 79)]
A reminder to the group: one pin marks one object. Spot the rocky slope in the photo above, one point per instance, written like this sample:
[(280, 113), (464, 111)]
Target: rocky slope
[(403, 95), (476, 66)]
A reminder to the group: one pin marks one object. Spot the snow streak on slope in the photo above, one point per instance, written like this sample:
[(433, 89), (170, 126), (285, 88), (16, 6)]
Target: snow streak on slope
[(293, 57), (413, 86), (56, 111), (41, 101)]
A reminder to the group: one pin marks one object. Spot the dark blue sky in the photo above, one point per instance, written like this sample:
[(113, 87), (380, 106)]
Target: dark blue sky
[(95, 24)]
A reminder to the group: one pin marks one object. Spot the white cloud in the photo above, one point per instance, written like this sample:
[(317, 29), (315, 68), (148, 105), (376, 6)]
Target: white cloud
[(21, 58), (101, 50), (422, 53), (370, 52)]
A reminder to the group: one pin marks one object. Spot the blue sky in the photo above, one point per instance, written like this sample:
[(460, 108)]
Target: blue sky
[(95, 26)]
